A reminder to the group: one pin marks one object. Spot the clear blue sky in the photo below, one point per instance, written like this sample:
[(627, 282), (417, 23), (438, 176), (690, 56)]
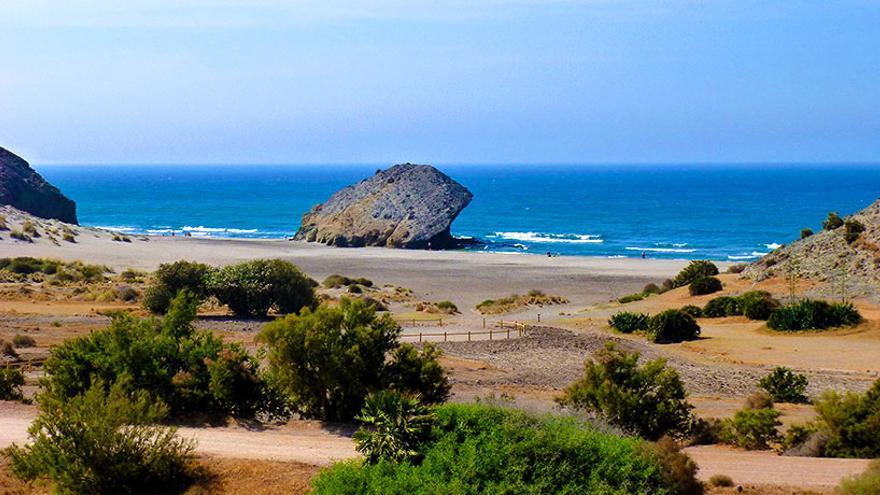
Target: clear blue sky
[(447, 81)]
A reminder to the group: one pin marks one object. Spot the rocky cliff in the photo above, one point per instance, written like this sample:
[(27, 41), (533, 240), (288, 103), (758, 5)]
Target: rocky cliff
[(829, 256), (25, 189), (406, 206)]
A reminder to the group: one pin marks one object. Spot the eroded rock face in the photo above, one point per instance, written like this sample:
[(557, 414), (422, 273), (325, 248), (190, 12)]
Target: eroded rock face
[(406, 206), (22, 187)]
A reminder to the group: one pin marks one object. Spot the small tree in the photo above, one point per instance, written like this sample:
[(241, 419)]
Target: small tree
[(329, 360), (753, 429), (672, 326), (704, 285), (833, 221), (628, 322), (171, 278), (105, 443), (252, 288), (784, 385), (11, 380), (649, 400), (394, 425), (694, 270), (806, 233), (852, 230)]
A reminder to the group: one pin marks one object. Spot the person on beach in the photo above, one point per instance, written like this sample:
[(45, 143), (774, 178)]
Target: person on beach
[(643, 255)]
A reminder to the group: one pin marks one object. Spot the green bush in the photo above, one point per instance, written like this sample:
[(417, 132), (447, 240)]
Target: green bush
[(651, 289), (693, 311), (672, 326), (851, 423), (394, 425), (852, 230), (721, 480), (806, 233), (171, 278), (193, 372), (694, 270), (21, 236), (867, 483), (628, 322), (22, 341), (633, 297), (7, 349), (753, 429), (649, 400), (809, 314), (833, 221), (757, 304), (104, 442), (329, 360), (448, 307), (11, 380), (484, 449), (784, 385), (704, 285), (252, 288)]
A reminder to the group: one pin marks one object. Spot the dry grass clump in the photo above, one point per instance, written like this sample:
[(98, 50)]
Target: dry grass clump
[(21, 236), (22, 341), (3, 225), (721, 480), (442, 307), (516, 302)]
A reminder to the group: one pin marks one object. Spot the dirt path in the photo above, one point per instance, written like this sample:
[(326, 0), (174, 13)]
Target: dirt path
[(767, 468)]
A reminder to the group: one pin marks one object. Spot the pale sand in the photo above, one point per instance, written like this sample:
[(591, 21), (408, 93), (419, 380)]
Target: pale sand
[(466, 278)]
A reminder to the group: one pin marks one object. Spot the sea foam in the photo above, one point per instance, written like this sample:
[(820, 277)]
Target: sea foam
[(549, 237)]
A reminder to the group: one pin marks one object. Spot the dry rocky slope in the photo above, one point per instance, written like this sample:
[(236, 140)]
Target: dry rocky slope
[(22, 187), (406, 206), (828, 258)]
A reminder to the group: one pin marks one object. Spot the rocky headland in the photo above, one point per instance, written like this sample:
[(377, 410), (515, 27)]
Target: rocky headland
[(406, 206), (23, 188)]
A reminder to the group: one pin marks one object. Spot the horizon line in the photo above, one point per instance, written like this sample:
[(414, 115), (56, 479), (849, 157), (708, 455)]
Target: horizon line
[(459, 163)]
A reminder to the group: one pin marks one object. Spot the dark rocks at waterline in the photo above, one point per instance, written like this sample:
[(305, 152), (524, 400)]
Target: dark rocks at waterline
[(407, 206), (23, 188)]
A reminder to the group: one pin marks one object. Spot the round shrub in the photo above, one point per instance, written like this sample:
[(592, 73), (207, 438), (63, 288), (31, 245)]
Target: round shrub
[(757, 304), (628, 322), (704, 285), (809, 314), (784, 385), (832, 222), (252, 288), (672, 326), (694, 311), (722, 306), (852, 230), (694, 270), (171, 278), (806, 233)]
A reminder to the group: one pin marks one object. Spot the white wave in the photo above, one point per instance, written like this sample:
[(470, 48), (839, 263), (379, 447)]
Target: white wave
[(661, 250), (521, 246), (116, 229), (615, 256), (773, 245), (210, 230), (741, 257), (673, 244), (757, 253), (549, 237)]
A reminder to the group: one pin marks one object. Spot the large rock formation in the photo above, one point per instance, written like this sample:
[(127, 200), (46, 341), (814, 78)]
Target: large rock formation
[(25, 189), (406, 206), (843, 267)]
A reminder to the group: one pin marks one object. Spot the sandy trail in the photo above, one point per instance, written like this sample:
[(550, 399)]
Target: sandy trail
[(311, 443)]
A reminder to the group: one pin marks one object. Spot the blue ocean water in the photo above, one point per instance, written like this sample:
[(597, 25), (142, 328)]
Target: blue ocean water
[(689, 211)]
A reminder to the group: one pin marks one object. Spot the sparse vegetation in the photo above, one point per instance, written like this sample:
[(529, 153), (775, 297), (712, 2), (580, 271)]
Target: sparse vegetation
[(633, 297), (105, 442), (26, 268), (693, 311), (694, 270), (808, 314), (3, 225), (329, 360), (848, 424), (7, 349), (11, 380), (753, 429), (737, 268), (488, 449), (806, 233), (867, 483), (30, 229), (721, 480), (784, 385), (852, 229), (704, 285), (337, 281), (833, 221), (628, 322), (252, 288), (21, 236), (672, 326), (517, 302), (649, 400), (22, 341), (447, 307)]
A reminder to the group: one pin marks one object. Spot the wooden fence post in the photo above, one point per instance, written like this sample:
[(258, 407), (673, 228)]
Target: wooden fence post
[(490, 334), (508, 333), (469, 335), (420, 336), (444, 336), (539, 317), (484, 323)]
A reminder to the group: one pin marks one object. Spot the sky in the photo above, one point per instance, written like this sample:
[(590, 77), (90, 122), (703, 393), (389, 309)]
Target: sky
[(446, 81)]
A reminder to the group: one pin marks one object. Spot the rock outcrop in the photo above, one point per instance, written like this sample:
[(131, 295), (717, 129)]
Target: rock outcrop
[(406, 206), (22, 187), (842, 268)]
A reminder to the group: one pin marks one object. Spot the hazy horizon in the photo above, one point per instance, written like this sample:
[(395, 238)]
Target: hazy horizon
[(450, 82)]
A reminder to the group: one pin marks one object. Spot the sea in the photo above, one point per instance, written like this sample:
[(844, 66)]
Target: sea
[(712, 211)]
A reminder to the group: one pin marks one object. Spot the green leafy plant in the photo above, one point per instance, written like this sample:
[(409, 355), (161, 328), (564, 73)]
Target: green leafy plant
[(850, 422), (329, 360), (628, 322), (633, 297), (171, 278), (867, 483), (852, 229), (672, 326), (757, 304), (394, 426), (105, 442), (753, 429), (694, 270), (722, 306), (833, 221), (649, 400), (784, 385), (11, 380), (704, 285), (808, 314), (447, 307), (252, 288), (693, 311), (806, 233)]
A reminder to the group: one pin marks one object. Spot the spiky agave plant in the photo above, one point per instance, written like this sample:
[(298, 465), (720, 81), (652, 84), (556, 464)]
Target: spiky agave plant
[(394, 425)]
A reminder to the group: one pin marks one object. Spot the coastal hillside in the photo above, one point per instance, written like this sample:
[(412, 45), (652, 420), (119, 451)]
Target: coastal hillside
[(406, 206), (844, 257), (22, 187)]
